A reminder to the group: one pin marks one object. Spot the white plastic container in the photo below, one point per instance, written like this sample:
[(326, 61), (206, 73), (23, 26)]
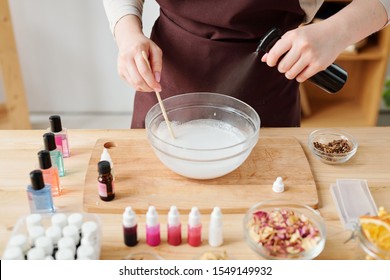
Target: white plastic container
[(353, 199), (21, 228)]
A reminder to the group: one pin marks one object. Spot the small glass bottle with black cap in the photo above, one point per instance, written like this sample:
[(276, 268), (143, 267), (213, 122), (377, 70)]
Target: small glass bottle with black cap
[(39, 194), (61, 135), (50, 172), (55, 155), (105, 181)]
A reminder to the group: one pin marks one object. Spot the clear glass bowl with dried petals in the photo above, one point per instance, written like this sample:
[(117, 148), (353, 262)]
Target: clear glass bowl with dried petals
[(277, 229), (332, 146)]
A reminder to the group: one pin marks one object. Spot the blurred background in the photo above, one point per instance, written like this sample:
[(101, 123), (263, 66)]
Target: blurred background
[(63, 61)]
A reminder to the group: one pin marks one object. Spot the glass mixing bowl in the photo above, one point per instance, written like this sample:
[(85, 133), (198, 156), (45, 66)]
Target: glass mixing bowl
[(214, 134)]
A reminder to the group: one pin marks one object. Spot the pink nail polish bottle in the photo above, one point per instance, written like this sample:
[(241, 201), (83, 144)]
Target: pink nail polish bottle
[(153, 237), (174, 227), (61, 135), (194, 237)]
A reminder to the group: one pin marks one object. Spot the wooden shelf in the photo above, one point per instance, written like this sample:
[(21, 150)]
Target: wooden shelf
[(336, 113), (14, 112), (371, 52)]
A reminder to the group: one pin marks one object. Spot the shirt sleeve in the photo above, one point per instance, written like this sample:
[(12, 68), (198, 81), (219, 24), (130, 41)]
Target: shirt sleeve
[(386, 4), (310, 7), (116, 9)]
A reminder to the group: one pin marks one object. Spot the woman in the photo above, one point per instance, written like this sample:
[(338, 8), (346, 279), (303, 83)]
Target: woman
[(204, 45)]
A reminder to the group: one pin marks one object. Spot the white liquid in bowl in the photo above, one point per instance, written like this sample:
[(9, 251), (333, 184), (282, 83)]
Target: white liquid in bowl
[(201, 134), (202, 149)]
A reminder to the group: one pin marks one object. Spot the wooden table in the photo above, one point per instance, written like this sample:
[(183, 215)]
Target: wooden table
[(18, 156)]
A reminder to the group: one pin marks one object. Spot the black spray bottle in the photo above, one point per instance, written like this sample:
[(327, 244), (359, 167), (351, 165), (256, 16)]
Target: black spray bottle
[(331, 79)]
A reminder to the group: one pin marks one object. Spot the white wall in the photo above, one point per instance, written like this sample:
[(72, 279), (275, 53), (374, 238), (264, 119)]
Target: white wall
[(68, 55)]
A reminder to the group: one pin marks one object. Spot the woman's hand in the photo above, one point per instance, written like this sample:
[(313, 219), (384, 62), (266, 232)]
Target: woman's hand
[(304, 51), (131, 64), (312, 48)]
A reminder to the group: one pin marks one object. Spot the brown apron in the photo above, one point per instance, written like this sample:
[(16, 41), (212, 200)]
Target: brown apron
[(209, 46)]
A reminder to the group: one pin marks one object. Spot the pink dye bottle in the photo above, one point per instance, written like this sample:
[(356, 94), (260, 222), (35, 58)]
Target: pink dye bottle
[(194, 237), (153, 237), (174, 227)]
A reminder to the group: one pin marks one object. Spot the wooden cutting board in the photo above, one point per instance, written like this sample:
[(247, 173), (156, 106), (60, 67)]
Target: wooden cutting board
[(142, 180)]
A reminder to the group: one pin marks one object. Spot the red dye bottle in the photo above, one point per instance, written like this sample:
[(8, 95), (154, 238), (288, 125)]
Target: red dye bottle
[(174, 227), (194, 237)]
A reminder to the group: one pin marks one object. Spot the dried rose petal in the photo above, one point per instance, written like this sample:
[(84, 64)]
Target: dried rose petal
[(283, 232)]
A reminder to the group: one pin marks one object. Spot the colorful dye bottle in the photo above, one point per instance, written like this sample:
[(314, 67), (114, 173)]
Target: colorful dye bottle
[(174, 227), (194, 237), (56, 156), (105, 181), (61, 135), (130, 227), (50, 173), (39, 194), (153, 237)]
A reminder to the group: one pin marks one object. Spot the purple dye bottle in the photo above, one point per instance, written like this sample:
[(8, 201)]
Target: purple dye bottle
[(130, 227)]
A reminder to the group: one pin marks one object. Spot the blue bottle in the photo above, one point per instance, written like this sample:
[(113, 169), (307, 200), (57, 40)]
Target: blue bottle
[(56, 156), (39, 194)]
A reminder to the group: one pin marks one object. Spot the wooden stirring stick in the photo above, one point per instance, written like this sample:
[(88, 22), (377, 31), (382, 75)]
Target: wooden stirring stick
[(160, 101)]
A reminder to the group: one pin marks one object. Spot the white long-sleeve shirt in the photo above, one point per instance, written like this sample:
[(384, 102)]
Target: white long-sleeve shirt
[(116, 9)]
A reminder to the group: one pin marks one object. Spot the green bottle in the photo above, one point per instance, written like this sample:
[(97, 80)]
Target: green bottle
[(55, 155)]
